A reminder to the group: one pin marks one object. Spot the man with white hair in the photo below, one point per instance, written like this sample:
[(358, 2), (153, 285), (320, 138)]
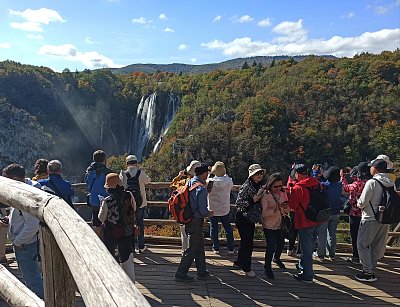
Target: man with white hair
[(55, 184)]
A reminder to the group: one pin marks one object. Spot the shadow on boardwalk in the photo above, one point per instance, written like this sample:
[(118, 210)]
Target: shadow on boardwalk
[(334, 283)]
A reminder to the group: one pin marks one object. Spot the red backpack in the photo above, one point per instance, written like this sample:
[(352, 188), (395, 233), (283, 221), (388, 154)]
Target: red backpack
[(178, 203)]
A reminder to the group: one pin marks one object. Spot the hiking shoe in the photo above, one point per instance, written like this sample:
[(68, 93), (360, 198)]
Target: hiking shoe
[(186, 278), (270, 274), (203, 276), (251, 274), (141, 250), (353, 260), (216, 251), (279, 263), (291, 253), (300, 277), (364, 276)]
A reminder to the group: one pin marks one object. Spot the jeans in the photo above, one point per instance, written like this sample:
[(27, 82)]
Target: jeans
[(307, 238), (327, 236), (354, 226), (28, 265), (275, 243), (195, 251), (228, 230), (246, 232), (139, 222)]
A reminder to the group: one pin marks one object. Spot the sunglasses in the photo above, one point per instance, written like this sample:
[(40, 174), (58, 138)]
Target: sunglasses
[(259, 173), (277, 186)]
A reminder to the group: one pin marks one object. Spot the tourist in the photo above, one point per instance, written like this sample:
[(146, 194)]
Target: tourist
[(327, 230), (372, 235), (248, 214), (299, 199), (219, 202), (181, 180), (95, 179), (274, 205), (117, 213), (41, 169), (134, 179), (194, 228), (354, 190)]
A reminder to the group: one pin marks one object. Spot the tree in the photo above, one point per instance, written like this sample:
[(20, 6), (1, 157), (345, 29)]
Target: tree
[(245, 65)]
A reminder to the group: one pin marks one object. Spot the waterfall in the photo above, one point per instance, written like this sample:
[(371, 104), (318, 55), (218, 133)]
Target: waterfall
[(153, 117)]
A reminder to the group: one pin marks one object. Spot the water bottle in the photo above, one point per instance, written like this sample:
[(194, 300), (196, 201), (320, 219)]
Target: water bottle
[(381, 209)]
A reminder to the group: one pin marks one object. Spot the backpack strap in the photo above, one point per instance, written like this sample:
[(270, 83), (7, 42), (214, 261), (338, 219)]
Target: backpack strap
[(130, 176), (383, 190)]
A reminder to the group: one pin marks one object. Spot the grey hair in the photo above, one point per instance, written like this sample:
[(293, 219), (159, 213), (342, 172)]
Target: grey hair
[(54, 166)]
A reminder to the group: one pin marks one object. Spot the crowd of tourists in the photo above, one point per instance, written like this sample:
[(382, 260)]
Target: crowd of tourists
[(118, 203)]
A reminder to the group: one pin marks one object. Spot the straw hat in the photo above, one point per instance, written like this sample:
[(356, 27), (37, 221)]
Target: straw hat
[(192, 166), (112, 181), (218, 169)]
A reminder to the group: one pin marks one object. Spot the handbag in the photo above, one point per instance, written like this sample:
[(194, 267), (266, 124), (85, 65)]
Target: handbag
[(287, 227), (253, 212)]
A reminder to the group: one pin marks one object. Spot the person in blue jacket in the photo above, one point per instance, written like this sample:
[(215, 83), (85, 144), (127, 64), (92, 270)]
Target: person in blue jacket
[(95, 179), (327, 230), (55, 184)]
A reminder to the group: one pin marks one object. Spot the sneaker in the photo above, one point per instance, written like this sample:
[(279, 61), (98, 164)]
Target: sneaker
[(186, 278), (364, 276), (291, 253), (251, 274), (203, 276), (300, 277), (316, 256), (216, 251), (332, 258), (236, 265), (141, 250), (353, 260), (231, 252), (279, 263), (269, 273), (299, 268)]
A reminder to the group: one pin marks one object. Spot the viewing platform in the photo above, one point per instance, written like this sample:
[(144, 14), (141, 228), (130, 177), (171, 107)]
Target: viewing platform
[(334, 283)]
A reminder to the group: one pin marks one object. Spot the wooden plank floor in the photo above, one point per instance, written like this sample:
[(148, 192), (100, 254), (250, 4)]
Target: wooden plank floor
[(334, 284)]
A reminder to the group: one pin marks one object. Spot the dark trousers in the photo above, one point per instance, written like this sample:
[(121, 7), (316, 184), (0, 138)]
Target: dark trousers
[(246, 232), (124, 246), (195, 252), (354, 226), (275, 243)]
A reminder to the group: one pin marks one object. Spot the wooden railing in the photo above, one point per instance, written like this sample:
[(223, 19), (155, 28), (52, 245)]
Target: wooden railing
[(72, 254), (162, 204)]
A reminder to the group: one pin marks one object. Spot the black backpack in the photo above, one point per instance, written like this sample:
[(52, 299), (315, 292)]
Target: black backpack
[(391, 201), (318, 209), (134, 187)]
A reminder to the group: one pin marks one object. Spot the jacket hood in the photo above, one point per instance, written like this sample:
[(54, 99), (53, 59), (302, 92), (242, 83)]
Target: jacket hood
[(95, 166), (387, 179), (308, 182)]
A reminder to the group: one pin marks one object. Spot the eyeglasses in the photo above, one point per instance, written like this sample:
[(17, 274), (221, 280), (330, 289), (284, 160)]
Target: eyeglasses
[(259, 173), (277, 186)]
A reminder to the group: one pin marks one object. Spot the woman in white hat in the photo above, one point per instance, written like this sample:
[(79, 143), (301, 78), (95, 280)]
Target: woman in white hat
[(248, 213)]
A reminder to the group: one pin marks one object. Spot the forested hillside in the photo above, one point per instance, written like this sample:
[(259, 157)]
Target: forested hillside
[(338, 111)]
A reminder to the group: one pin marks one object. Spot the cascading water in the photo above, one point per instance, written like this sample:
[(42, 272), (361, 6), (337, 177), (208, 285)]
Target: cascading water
[(152, 121)]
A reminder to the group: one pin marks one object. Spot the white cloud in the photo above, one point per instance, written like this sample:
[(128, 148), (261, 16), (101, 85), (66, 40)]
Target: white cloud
[(264, 23), (140, 20), (373, 42), (168, 30), (35, 36), (193, 60), (348, 15), (90, 59), (29, 26), (217, 18), (162, 16), (244, 19), (5, 45), (384, 9), (89, 41), (290, 32), (182, 47)]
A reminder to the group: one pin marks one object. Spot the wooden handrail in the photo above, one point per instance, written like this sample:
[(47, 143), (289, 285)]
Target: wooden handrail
[(99, 278)]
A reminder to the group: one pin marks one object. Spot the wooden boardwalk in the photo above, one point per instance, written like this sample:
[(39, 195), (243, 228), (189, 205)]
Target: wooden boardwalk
[(334, 283)]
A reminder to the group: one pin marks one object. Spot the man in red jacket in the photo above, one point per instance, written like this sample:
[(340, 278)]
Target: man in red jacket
[(299, 199)]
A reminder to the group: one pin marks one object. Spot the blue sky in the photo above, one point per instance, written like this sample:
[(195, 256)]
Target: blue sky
[(113, 33)]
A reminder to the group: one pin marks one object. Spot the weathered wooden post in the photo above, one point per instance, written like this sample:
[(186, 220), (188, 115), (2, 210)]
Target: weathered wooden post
[(59, 285)]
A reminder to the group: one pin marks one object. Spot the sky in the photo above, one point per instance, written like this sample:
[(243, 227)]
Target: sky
[(114, 33)]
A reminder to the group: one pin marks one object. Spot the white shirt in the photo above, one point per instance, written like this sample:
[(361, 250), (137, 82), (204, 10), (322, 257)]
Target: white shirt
[(219, 196)]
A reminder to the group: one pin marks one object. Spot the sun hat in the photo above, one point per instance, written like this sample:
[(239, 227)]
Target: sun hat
[(191, 167), (218, 169), (112, 181), (131, 158), (386, 159), (255, 168)]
